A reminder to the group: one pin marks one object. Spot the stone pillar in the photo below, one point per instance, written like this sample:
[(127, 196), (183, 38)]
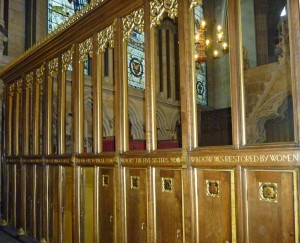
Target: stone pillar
[(3, 31)]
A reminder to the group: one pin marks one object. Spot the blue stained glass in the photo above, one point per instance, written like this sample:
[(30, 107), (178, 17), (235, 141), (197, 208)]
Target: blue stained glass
[(201, 84), (136, 60)]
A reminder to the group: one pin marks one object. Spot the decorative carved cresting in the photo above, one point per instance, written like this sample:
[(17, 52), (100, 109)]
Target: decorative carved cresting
[(40, 74), (67, 58), (106, 38), (19, 85), (131, 22), (158, 8), (53, 67), (29, 80), (85, 48)]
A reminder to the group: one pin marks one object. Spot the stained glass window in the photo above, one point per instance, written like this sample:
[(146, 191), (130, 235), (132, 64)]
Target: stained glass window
[(201, 84), (136, 61), (60, 10)]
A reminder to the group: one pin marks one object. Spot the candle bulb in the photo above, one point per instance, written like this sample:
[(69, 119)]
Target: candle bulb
[(203, 24), (216, 53), (219, 27)]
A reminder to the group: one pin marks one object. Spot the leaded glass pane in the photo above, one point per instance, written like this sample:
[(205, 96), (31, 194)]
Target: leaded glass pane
[(136, 61)]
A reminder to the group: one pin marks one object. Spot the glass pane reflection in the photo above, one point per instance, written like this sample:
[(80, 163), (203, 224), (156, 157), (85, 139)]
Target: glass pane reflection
[(267, 72)]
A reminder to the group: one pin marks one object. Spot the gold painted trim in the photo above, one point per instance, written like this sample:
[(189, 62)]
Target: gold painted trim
[(131, 22), (53, 67), (167, 184), (213, 188), (268, 192), (85, 49), (158, 8), (105, 180), (67, 58), (134, 182), (106, 38)]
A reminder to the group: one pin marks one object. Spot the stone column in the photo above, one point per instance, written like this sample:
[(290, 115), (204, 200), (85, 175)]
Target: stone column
[(3, 31)]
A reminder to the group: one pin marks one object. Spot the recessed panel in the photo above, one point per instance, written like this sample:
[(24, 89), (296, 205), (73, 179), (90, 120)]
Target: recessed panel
[(215, 204), (136, 204), (168, 204), (271, 206)]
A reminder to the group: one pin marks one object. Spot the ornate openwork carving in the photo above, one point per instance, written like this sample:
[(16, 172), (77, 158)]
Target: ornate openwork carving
[(268, 191), (212, 188), (134, 21), (194, 3), (29, 80), (85, 48), (12, 89), (67, 58), (19, 85), (53, 67), (158, 8), (105, 38), (40, 74)]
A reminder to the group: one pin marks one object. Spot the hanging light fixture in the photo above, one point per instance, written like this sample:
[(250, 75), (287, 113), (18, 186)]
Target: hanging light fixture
[(206, 47)]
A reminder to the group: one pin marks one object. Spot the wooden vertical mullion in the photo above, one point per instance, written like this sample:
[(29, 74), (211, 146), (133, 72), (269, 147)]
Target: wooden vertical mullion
[(61, 109), (9, 112), (121, 110), (49, 116), (97, 76), (150, 82), (36, 116), (237, 99)]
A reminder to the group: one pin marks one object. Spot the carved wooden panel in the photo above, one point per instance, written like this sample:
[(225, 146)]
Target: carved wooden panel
[(87, 204), (67, 204), (18, 195), (53, 204), (29, 199), (136, 205), (168, 205), (106, 204), (271, 206), (39, 202), (214, 193)]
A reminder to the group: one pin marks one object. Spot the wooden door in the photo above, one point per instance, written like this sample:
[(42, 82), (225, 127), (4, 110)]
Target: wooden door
[(215, 204), (136, 204), (168, 192), (271, 206), (106, 205)]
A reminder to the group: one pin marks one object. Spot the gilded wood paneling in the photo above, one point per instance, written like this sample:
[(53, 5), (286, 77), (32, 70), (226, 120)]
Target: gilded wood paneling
[(29, 199)]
